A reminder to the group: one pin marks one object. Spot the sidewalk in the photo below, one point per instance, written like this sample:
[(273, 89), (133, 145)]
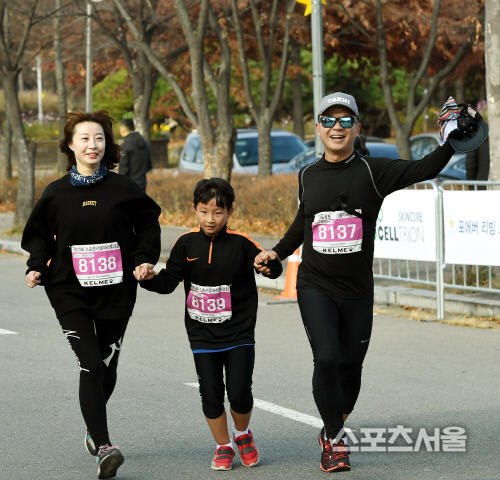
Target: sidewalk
[(386, 292)]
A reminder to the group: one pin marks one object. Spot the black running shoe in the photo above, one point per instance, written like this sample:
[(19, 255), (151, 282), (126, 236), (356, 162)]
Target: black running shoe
[(109, 459), (334, 458), (90, 445)]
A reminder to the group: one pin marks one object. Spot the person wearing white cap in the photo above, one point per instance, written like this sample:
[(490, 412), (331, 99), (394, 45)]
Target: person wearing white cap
[(340, 196)]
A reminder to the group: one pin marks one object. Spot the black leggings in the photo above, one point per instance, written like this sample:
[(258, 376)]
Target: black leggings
[(339, 331), (97, 345), (239, 364)]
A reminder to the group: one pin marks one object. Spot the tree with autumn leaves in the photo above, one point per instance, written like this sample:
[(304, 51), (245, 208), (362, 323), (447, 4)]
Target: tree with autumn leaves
[(201, 47)]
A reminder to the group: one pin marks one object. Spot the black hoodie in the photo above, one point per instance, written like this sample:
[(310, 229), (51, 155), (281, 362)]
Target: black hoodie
[(136, 159)]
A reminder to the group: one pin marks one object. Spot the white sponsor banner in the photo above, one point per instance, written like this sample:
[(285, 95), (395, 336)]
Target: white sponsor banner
[(406, 226), (472, 227)]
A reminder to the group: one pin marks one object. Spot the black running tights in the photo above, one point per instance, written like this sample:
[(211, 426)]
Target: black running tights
[(97, 345), (339, 331), (238, 364)]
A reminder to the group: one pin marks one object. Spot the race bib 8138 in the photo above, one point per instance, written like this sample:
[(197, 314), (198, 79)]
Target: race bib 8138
[(97, 265)]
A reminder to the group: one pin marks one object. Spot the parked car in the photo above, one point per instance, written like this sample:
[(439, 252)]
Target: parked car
[(377, 148), (425, 143), (454, 170), (285, 146)]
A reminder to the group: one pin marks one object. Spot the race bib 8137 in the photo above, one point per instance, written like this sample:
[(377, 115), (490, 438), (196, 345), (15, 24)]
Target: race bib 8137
[(337, 232)]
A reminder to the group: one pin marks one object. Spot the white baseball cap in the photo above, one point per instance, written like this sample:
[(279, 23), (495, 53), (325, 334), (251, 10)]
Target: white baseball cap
[(338, 98)]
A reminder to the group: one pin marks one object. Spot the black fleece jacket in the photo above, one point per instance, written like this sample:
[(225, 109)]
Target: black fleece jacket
[(349, 275), (226, 259), (112, 210)]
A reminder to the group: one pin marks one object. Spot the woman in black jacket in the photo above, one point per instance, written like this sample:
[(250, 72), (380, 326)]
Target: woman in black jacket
[(88, 233)]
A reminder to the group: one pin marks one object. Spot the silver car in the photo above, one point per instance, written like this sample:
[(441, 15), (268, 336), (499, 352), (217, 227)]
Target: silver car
[(285, 146)]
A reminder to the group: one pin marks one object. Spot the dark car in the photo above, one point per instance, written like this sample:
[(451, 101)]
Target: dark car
[(376, 148)]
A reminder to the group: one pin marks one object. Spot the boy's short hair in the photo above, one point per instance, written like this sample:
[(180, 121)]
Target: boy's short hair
[(217, 188)]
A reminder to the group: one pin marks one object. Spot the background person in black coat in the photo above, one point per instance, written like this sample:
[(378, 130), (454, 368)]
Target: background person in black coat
[(477, 163), (136, 158)]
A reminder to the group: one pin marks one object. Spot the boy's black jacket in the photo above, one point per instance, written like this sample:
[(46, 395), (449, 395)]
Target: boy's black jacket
[(226, 259)]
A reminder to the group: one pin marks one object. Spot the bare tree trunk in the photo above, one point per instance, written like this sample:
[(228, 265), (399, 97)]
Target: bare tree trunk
[(26, 190), (297, 105), (143, 83), (492, 50), (6, 141), (265, 145), (459, 89), (263, 113), (217, 143), (62, 104)]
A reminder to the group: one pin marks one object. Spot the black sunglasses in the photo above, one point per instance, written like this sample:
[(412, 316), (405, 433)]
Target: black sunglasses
[(345, 122)]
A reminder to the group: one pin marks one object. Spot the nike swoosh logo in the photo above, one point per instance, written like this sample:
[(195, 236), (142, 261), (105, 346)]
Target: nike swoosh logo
[(192, 259)]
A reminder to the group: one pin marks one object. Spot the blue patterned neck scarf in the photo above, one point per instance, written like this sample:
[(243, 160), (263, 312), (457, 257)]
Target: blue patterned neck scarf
[(80, 181)]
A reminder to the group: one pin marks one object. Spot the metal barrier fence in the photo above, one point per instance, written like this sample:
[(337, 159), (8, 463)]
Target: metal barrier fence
[(470, 277)]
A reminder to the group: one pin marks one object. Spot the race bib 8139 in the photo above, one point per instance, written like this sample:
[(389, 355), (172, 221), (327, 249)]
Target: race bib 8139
[(209, 304)]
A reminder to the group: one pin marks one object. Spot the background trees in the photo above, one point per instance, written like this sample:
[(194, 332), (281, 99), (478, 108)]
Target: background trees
[(426, 43), (263, 39), (219, 64), (23, 28)]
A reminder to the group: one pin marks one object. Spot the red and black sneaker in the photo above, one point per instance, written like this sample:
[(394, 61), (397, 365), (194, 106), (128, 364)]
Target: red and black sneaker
[(334, 458), (223, 459), (248, 451)]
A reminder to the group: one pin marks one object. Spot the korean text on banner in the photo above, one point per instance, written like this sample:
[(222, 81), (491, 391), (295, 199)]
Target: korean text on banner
[(472, 227), (406, 226)]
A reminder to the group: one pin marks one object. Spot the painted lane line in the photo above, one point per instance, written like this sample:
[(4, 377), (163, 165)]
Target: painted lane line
[(284, 412), (7, 332), (288, 413)]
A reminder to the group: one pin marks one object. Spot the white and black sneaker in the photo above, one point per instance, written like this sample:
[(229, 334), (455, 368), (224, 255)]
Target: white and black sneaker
[(90, 445)]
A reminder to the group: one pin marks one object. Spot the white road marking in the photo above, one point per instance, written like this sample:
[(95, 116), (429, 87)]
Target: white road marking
[(284, 412), (7, 332)]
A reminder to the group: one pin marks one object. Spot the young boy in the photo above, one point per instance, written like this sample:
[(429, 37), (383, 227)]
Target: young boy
[(216, 265)]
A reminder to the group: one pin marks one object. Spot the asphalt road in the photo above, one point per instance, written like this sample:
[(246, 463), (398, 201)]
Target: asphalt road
[(416, 375)]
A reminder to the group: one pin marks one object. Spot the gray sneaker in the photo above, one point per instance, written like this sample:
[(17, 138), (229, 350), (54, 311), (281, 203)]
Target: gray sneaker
[(109, 459), (90, 445)]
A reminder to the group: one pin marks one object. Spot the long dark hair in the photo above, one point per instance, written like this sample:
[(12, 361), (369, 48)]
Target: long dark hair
[(113, 151)]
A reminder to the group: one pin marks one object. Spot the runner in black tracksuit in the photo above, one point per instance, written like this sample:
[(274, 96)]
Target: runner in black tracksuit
[(339, 200), (85, 236), (216, 265)]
